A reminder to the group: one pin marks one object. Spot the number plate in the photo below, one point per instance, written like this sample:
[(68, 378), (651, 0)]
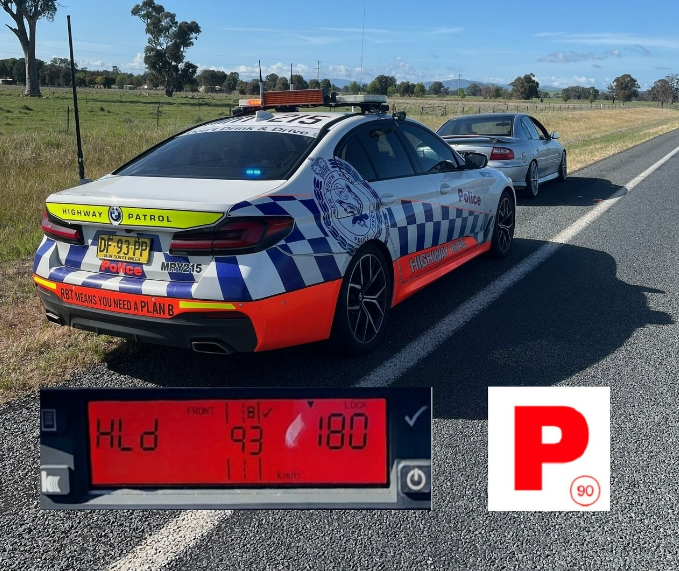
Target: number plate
[(126, 248)]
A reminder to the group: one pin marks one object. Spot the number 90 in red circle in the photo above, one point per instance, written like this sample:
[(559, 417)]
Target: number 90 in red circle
[(585, 490)]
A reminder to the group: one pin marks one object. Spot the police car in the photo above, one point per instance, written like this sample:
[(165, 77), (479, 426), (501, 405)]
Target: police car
[(272, 228)]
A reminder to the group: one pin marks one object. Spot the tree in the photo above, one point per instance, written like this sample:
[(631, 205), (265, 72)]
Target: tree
[(380, 85), (460, 93), (325, 85), (418, 90), (298, 82), (314, 84), (26, 14), (662, 91), (565, 95), (270, 82), (624, 87), (405, 89), (282, 84), (473, 90), (354, 87), (487, 91), (436, 87), (231, 82), (167, 43), (525, 87)]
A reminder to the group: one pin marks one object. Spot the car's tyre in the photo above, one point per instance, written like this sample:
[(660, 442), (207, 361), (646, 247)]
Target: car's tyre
[(363, 303), (503, 230), (563, 168), (532, 180)]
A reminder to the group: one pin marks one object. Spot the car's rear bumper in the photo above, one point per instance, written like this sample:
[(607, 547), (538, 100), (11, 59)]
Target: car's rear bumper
[(517, 173), (289, 319)]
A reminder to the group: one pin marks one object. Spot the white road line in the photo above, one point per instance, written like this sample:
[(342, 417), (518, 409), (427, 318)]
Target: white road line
[(163, 546), (168, 542)]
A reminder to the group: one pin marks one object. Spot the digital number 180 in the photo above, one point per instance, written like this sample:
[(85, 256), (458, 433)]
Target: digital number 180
[(333, 433)]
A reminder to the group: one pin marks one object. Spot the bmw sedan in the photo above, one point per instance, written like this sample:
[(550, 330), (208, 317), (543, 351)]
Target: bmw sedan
[(268, 230)]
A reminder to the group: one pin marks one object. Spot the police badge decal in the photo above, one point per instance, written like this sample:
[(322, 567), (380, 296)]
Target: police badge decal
[(350, 207)]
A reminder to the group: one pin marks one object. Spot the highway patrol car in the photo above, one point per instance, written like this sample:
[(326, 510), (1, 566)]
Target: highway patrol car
[(270, 229)]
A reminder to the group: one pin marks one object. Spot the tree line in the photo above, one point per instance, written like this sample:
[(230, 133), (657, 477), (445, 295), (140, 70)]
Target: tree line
[(166, 67)]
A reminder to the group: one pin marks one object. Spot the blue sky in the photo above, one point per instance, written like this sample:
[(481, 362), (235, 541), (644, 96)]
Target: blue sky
[(562, 43)]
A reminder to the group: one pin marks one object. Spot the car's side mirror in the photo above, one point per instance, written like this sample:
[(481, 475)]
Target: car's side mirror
[(475, 161), (555, 135)]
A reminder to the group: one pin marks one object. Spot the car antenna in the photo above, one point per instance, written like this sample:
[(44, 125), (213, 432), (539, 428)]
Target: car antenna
[(81, 161), (291, 88)]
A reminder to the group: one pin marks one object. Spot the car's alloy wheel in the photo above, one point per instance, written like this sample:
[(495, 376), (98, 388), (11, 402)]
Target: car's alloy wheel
[(532, 180), (364, 302), (503, 232), (563, 168)]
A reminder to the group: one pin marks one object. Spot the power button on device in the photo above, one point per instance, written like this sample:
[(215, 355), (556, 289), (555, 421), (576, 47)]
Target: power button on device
[(415, 479)]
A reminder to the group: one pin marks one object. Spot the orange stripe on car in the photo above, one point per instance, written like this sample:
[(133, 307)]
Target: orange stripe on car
[(414, 278)]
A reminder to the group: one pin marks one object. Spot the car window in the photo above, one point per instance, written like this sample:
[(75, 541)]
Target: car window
[(498, 126), (352, 152), (542, 132), (385, 151), (430, 151), (228, 155), (525, 130), (531, 129)]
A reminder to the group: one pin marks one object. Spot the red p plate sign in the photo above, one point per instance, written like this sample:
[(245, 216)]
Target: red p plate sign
[(548, 448)]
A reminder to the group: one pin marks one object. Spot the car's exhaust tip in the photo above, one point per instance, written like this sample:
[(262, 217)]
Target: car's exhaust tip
[(214, 347), (53, 317)]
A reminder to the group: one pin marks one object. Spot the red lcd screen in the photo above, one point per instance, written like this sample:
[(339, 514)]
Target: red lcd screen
[(267, 442)]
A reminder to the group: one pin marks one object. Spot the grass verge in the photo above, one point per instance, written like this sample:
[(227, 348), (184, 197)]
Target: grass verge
[(34, 352)]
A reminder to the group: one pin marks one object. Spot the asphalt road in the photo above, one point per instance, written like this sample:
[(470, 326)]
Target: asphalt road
[(601, 311)]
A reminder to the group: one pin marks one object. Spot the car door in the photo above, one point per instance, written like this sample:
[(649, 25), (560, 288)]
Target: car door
[(462, 193), (553, 148), (540, 146), (407, 195)]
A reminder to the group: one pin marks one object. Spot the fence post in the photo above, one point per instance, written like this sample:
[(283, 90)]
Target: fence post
[(157, 115), (68, 118)]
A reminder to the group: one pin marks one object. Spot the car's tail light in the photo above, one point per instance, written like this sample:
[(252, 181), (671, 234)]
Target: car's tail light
[(235, 236), (501, 154), (61, 230)]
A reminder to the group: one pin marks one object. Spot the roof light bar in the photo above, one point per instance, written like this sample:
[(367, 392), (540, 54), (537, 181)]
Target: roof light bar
[(290, 100)]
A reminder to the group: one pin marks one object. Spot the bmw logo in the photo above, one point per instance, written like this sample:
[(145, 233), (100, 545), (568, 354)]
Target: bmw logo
[(115, 215)]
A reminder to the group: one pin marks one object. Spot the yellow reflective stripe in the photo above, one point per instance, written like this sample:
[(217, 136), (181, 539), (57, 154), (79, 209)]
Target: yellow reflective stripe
[(148, 217), (205, 305), (167, 218), (79, 212), (44, 283)]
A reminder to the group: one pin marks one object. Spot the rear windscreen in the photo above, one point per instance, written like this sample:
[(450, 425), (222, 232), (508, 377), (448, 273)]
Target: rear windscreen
[(223, 155), (470, 126)]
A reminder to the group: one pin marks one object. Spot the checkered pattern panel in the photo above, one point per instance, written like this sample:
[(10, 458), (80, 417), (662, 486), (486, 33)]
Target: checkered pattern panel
[(417, 226)]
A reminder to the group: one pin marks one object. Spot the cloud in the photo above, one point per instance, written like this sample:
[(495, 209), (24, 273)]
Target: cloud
[(639, 49), (569, 57), (596, 65), (358, 30), (446, 30), (613, 53), (618, 39), (547, 34), (566, 81), (137, 64), (661, 67)]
